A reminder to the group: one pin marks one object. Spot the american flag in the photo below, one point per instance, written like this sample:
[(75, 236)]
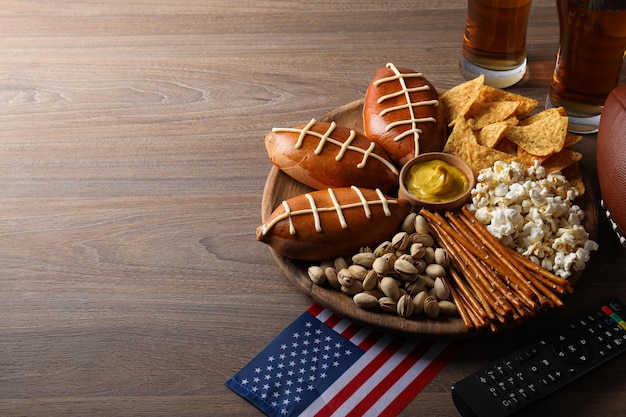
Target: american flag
[(324, 365)]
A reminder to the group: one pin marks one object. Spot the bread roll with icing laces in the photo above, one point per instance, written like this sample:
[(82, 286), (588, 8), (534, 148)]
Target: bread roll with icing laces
[(325, 155), (324, 224), (403, 114)]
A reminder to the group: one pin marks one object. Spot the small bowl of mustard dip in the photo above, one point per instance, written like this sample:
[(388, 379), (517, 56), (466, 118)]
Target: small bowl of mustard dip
[(437, 181)]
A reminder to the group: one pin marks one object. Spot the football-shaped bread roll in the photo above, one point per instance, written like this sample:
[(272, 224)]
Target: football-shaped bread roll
[(325, 224), (324, 155), (403, 114)]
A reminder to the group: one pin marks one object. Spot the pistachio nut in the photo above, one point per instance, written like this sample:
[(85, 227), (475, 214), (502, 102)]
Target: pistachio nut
[(345, 278), (431, 307), (389, 287), (401, 241), (442, 289), (418, 302), (365, 300), (448, 308), (383, 248), (406, 257), (429, 255), (380, 266), (421, 225), (370, 281), (387, 304), (390, 258), (365, 259), (405, 269), (405, 306), (423, 238), (375, 292), (441, 257), (417, 250), (408, 224), (435, 270), (331, 277), (420, 264), (340, 263), (316, 274), (358, 272)]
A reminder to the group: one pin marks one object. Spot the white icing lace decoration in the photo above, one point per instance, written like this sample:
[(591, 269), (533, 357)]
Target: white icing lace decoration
[(326, 138), (413, 121), (315, 211)]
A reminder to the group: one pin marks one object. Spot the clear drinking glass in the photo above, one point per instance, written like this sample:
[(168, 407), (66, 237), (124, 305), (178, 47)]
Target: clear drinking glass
[(495, 41), (589, 62)]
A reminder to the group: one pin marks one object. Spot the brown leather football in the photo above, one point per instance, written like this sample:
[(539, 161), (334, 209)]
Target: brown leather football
[(611, 159)]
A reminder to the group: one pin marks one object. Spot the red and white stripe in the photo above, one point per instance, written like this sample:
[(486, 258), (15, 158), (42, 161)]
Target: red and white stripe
[(385, 378)]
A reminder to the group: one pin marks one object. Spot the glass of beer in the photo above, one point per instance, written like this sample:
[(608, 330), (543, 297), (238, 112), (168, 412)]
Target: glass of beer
[(589, 62), (495, 41)]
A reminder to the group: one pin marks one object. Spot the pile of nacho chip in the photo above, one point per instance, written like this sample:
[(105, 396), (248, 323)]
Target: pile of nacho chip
[(490, 125)]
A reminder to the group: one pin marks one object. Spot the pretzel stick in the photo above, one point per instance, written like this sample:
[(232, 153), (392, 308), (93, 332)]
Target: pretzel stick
[(508, 264), (510, 293), (493, 259), (472, 303), (556, 280), (480, 286), (468, 320)]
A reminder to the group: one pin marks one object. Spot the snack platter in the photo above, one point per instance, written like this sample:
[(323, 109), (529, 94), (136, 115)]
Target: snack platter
[(279, 187)]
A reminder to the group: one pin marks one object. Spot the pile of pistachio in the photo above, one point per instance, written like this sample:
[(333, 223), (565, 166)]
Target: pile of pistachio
[(406, 275)]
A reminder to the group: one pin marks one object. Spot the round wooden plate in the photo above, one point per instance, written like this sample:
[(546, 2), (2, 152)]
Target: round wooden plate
[(280, 186)]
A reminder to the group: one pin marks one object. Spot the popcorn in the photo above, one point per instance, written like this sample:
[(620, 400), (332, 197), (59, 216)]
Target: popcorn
[(533, 212)]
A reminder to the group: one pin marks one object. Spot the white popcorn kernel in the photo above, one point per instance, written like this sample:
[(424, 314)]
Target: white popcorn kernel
[(591, 246), (483, 215), (537, 197), (532, 211)]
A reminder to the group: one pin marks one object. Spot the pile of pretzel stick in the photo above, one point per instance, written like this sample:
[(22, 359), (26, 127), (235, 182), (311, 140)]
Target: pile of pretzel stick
[(492, 285)]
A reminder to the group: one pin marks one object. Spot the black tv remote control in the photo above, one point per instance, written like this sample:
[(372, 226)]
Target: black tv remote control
[(542, 367)]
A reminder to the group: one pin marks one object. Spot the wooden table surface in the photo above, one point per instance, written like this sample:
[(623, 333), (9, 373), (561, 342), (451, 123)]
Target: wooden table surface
[(132, 166)]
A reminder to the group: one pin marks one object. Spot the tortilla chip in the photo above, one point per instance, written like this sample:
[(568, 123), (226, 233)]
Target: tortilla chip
[(562, 160), (463, 143), (506, 146), (571, 139), (526, 104), (485, 113), (458, 100), (528, 159), (491, 134), (544, 136), (552, 114)]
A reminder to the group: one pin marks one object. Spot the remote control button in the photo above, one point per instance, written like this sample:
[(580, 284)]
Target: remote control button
[(528, 355), (506, 404), (491, 376), (523, 393), (606, 310)]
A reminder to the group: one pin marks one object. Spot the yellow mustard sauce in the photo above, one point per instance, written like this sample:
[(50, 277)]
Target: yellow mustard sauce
[(436, 181)]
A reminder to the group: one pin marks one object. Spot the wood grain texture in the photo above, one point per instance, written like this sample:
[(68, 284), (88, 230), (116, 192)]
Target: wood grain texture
[(132, 167)]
